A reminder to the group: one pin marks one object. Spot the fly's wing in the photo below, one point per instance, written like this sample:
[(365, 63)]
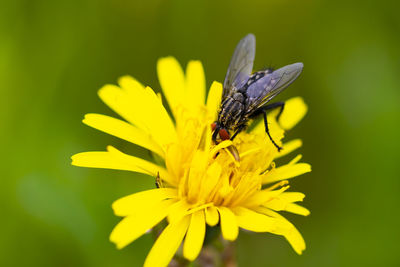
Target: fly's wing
[(241, 65), (262, 90)]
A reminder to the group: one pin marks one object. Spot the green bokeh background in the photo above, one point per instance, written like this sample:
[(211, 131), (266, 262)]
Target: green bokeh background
[(55, 55)]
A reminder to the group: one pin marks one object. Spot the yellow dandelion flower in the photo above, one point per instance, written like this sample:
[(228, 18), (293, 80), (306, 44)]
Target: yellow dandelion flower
[(201, 183)]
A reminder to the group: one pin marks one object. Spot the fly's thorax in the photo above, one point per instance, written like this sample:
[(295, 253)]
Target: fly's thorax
[(232, 110), (256, 76)]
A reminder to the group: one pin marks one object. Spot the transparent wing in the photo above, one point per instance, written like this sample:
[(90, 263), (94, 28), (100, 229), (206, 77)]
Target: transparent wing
[(264, 89), (241, 64)]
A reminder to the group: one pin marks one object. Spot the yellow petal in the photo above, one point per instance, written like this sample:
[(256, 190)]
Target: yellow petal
[(264, 196), (207, 140), (178, 211), (288, 230), (142, 108), (286, 172), (123, 130), (195, 177), (295, 239), (132, 227), (229, 226), (253, 221), (194, 236), (292, 196), (279, 204), (117, 100), (114, 159), (172, 80), (210, 181), (294, 111), (131, 204), (297, 209), (157, 119), (129, 84), (212, 217), (222, 145), (295, 159), (214, 99), (167, 244), (172, 163), (195, 85), (289, 147)]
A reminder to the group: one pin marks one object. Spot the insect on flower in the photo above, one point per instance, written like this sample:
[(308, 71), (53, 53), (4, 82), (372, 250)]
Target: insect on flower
[(245, 95)]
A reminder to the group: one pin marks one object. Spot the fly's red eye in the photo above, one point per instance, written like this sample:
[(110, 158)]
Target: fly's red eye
[(224, 134), (213, 126)]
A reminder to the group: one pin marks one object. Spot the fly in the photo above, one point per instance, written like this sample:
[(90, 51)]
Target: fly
[(246, 95)]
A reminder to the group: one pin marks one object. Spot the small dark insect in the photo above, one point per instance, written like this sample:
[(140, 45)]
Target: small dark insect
[(159, 183), (245, 95)]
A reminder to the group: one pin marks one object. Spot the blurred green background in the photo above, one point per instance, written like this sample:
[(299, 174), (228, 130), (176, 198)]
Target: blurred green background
[(55, 55)]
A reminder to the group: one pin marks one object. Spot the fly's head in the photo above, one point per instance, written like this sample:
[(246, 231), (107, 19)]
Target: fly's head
[(220, 133)]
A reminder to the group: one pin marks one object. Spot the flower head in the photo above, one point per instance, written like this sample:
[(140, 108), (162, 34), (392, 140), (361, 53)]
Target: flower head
[(201, 183)]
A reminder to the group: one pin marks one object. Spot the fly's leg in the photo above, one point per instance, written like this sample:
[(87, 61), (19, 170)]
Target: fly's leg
[(239, 129), (280, 105), (263, 110), (267, 131), (215, 133)]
